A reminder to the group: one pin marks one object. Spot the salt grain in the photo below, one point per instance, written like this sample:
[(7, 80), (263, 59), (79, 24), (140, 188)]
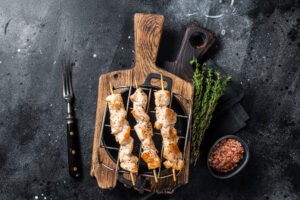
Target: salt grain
[(36, 197), (19, 50), (94, 55)]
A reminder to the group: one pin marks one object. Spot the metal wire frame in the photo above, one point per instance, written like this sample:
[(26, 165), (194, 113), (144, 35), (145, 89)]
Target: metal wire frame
[(186, 137)]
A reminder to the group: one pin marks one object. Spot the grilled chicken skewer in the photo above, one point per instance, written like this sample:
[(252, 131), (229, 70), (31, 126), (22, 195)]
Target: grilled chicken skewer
[(121, 130), (144, 129), (165, 122)]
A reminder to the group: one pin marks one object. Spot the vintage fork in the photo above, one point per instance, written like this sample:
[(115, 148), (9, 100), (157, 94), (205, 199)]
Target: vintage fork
[(72, 137)]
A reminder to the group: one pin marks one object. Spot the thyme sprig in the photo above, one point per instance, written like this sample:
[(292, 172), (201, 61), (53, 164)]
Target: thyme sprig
[(208, 89)]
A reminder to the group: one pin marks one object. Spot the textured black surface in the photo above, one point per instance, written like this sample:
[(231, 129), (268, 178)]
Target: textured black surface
[(257, 42)]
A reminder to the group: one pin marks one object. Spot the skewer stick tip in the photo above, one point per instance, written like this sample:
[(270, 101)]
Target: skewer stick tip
[(132, 178), (136, 84), (162, 82), (174, 175), (155, 176), (111, 88)]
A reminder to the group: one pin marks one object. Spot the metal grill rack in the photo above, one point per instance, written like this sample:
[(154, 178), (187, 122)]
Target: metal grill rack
[(150, 89)]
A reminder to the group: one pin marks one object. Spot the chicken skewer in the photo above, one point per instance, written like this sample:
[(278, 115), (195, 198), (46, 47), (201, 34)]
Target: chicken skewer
[(144, 130), (163, 88), (165, 122), (121, 130)]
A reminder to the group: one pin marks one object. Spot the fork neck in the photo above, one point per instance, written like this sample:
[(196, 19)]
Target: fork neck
[(70, 117)]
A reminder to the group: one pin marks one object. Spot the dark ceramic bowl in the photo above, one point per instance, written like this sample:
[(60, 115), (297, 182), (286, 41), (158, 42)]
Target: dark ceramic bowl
[(241, 164)]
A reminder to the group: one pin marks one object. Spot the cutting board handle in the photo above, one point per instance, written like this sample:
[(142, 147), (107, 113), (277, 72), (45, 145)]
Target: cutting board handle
[(158, 77), (147, 33), (196, 41)]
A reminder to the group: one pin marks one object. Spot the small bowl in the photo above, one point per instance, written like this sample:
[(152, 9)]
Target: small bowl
[(241, 164)]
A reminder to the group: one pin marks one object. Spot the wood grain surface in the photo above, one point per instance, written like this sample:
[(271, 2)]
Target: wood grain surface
[(147, 33)]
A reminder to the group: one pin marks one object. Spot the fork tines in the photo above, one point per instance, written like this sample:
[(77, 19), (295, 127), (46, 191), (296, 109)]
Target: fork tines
[(67, 79)]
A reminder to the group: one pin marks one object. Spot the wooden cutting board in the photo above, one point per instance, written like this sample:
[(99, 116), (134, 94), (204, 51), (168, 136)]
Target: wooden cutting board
[(147, 33)]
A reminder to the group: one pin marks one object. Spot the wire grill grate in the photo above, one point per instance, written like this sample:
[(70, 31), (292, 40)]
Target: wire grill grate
[(150, 89)]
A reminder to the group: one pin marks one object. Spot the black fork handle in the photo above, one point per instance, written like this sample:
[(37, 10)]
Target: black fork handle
[(73, 151)]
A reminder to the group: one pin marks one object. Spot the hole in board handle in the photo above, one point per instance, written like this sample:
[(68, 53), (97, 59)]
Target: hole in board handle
[(197, 39)]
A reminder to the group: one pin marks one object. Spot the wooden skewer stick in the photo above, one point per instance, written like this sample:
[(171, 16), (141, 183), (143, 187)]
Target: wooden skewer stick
[(136, 84), (174, 175), (111, 89), (162, 82), (132, 178), (155, 176)]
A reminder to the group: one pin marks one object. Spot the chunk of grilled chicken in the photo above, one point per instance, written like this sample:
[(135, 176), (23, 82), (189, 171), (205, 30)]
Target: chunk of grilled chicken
[(165, 117), (115, 102), (143, 129), (162, 98), (140, 115), (148, 145), (169, 134), (117, 120), (123, 136), (121, 130), (177, 166), (165, 121), (171, 152), (139, 98), (127, 160), (151, 158)]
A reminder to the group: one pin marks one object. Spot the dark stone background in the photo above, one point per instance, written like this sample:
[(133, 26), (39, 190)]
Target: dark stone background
[(258, 43)]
